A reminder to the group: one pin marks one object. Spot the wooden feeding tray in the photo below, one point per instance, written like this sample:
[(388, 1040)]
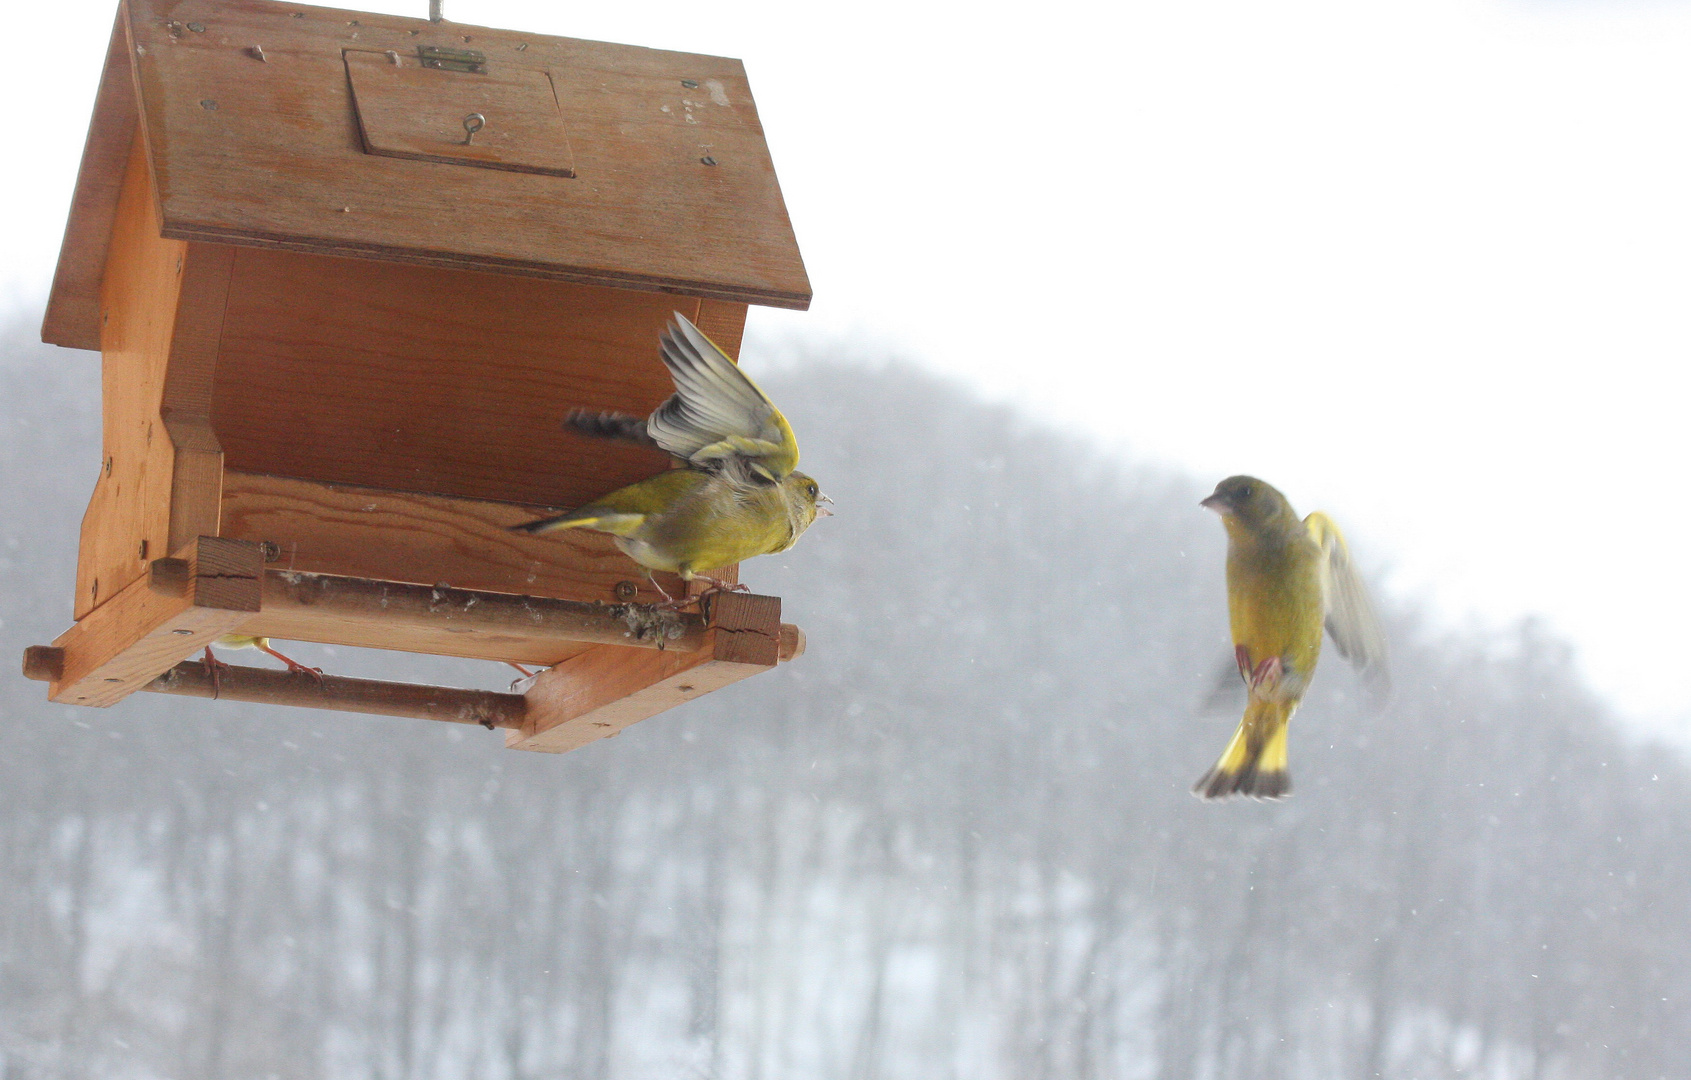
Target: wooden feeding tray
[(339, 329)]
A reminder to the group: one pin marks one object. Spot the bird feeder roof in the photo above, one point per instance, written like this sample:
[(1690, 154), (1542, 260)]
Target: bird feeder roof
[(387, 138)]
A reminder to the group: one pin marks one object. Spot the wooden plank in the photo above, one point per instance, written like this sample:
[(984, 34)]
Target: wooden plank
[(748, 627), (597, 694), (416, 379), (73, 308), (196, 486), (675, 191), (127, 523), (460, 622), (392, 605), (270, 686), (427, 539), (142, 632), (723, 322)]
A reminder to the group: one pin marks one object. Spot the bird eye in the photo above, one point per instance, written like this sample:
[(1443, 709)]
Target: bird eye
[(811, 490), (1245, 492)]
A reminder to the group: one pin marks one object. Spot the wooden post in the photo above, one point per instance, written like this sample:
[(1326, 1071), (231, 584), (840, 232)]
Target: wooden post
[(272, 687), (474, 624), (143, 631)]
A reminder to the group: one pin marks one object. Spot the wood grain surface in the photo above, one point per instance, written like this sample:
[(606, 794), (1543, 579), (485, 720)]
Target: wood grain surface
[(506, 118), (143, 631), (428, 539), (675, 189), (268, 686), (127, 522), (418, 379), (597, 694), (196, 479)]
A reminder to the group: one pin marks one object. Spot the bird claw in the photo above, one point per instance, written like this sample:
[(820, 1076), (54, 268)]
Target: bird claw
[(1267, 673), (214, 669), (716, 588), (294, 666)]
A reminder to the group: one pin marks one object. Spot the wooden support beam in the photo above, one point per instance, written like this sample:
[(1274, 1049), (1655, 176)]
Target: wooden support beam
[(406, 536), (460, 622), (127, 523), (196, 478), (619, 673), (143, 631), (597, 694), (161, 471), (272, 687)]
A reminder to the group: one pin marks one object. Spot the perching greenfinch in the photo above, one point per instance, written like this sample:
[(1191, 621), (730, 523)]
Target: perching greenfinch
[(1286, 579), (739, 495), (248, 641)]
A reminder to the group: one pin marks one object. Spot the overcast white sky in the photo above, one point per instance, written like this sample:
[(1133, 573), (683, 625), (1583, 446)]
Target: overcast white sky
[(1420, 263)]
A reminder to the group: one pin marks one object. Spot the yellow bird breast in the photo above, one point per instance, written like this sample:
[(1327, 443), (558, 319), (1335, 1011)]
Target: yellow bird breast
[(1275, 608)]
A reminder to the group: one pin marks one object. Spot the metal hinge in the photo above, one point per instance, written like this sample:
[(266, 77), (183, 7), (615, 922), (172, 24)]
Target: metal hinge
[(453, 59)]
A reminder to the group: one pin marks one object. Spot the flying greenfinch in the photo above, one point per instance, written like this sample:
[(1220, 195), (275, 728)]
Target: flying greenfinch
[(1286, 580), (739, 495)]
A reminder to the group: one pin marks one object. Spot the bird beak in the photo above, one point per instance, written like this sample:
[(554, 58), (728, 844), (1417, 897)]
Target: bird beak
[(823, 511), (1215, 502), (824, 499)]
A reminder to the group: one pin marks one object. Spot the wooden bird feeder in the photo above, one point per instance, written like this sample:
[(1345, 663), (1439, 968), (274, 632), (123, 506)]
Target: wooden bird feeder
[(346, 273)]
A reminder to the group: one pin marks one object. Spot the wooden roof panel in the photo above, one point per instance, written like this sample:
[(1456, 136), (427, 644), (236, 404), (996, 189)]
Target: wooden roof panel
[(253, 136)]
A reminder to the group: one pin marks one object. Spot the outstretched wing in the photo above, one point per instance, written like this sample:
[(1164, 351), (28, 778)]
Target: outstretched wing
[(718, 420), (1351, 621)]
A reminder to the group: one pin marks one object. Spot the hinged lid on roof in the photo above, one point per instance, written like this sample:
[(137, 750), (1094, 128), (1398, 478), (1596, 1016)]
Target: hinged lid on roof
[(382, 137)]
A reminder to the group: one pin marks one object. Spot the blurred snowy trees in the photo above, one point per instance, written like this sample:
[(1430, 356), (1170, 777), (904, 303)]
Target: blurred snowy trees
[(954, 840)]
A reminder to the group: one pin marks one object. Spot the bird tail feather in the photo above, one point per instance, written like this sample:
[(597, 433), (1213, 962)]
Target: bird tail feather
[(599, 520), (610, 425), (1254, 763)]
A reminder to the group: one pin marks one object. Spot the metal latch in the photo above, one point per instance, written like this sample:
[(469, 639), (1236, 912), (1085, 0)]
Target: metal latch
[(453, 59)]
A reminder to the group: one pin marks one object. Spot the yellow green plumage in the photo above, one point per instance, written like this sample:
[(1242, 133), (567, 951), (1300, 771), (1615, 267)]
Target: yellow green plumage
[(1287, 581), (738, 497)]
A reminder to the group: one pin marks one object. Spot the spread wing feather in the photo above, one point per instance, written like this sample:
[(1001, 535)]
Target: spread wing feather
[(718, 420), (1351, 621)]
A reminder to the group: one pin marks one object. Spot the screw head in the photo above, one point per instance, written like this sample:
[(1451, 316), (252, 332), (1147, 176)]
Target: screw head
[(691, 84), (198, 28), (626, 591), (707, 160), (182, 633), (208, 105)]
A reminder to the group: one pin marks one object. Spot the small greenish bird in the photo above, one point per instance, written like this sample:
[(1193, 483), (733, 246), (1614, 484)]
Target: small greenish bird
[(214, 666), (739, 495), (1286, 580)]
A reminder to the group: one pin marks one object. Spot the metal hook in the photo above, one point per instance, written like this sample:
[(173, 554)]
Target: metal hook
[(472, 124)]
